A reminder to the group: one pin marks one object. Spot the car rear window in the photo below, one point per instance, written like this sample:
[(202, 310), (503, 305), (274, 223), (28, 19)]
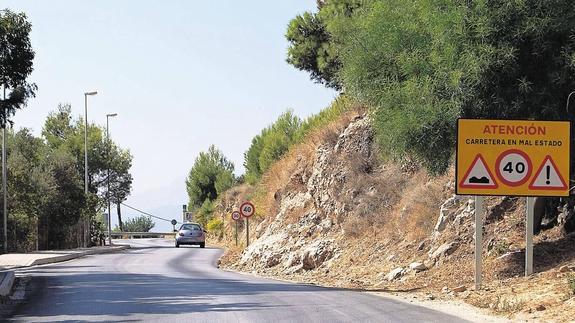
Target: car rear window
[(191, 227)]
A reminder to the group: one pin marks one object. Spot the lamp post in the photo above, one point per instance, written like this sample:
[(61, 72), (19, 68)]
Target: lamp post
[(108, 191), (567, 105), (86, 139), (4, 183), (86, 226)]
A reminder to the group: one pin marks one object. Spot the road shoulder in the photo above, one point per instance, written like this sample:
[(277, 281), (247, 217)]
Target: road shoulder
[(452, 307)]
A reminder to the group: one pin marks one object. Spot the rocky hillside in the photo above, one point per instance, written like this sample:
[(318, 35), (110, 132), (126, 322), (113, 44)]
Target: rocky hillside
[(331, 213)]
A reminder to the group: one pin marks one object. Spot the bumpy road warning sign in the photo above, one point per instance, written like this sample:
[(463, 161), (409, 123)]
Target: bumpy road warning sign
[(478, 175), (513, 157)]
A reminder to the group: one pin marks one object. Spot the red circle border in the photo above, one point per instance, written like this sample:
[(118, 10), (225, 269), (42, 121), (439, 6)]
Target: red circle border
[(518, 152), (250, 204)]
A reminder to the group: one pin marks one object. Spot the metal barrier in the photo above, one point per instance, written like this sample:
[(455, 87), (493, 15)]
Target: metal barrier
[(140, 235)]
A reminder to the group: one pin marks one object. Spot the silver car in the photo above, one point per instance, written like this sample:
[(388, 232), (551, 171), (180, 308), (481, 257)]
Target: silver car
[(192, 234)]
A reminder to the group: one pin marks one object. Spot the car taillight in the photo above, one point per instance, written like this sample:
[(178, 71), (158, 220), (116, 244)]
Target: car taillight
[(181, 234)]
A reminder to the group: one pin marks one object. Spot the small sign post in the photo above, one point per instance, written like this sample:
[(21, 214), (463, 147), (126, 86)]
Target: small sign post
[(188, 216), (236, 216), (247, 209), (174, 222), (511, 158), (478, 239)]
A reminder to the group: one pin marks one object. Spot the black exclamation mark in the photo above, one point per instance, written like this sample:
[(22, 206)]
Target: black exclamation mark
[(548, 169)]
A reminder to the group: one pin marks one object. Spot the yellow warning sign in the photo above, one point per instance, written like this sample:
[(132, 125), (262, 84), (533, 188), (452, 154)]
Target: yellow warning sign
[(513, 157)]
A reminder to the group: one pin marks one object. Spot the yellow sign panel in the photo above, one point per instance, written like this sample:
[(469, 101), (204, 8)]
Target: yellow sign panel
[(513, 157)]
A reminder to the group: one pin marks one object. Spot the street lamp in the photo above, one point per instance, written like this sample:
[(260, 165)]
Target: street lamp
[(4, 182), (108, 191), (86, 223), (86, 140), (567, 106)]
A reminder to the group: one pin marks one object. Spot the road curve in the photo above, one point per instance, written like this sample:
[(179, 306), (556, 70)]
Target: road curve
[(156, 282)]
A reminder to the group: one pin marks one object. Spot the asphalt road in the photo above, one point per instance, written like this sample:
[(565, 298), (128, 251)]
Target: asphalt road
[(157, 282)]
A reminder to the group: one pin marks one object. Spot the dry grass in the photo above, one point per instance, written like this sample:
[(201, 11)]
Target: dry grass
[(389, 209), (571, 283), (416, 213), (289, 173), (374, 195)]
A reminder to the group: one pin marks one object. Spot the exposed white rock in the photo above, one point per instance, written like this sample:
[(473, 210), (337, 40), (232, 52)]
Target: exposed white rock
[(417, 266), (317, 253), (443, 250), (394, 274)]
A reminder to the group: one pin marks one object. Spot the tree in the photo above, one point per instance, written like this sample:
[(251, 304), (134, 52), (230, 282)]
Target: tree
[(211, 173), (409, 62), (270, 145), (312, 47), (120, 178), (141, 223), (16, 56), (422, 64), (64, 133), (29, 188), (528, 54), (62, 212)]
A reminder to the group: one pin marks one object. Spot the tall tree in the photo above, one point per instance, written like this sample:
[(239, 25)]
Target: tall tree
[(16, 56), (311, 45), (209, 175), (120, 179), (29, 187), (62, 132)]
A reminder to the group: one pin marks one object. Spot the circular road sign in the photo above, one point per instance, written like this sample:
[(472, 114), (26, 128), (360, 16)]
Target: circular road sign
[(174, 222), (236, 215), (513, 167), (247, 209)]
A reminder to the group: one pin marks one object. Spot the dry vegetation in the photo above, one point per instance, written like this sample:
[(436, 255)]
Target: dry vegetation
[(393, 228)]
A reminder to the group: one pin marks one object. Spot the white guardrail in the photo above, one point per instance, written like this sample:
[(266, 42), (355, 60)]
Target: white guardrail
[(139, 235)]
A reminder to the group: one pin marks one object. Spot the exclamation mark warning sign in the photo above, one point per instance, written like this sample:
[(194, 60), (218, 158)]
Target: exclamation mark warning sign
[(548, 177)]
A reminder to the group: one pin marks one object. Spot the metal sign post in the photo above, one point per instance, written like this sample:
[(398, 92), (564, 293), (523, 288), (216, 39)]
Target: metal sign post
[(478, 239), (529, 236), (247, 209), (236, 216), (511, 158), (236, 233), (247, 232)]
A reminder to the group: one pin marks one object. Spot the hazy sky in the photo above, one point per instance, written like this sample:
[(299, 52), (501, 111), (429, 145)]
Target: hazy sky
[(181, 75)]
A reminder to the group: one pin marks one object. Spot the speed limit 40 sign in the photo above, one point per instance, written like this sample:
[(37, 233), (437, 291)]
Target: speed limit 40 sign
[(513, 157), (247, 209)]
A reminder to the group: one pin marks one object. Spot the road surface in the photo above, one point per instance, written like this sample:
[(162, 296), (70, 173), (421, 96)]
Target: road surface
[(156, 282)]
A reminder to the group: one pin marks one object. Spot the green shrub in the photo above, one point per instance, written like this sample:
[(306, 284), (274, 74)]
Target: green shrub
[(406, 60), (274, 141), (270, 145), (204, 213), (323, 118), (141, 223), (215, 227), (211, 175), (571, 283)]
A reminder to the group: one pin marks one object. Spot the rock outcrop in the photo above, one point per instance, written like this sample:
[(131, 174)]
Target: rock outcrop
[(321, 193)]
